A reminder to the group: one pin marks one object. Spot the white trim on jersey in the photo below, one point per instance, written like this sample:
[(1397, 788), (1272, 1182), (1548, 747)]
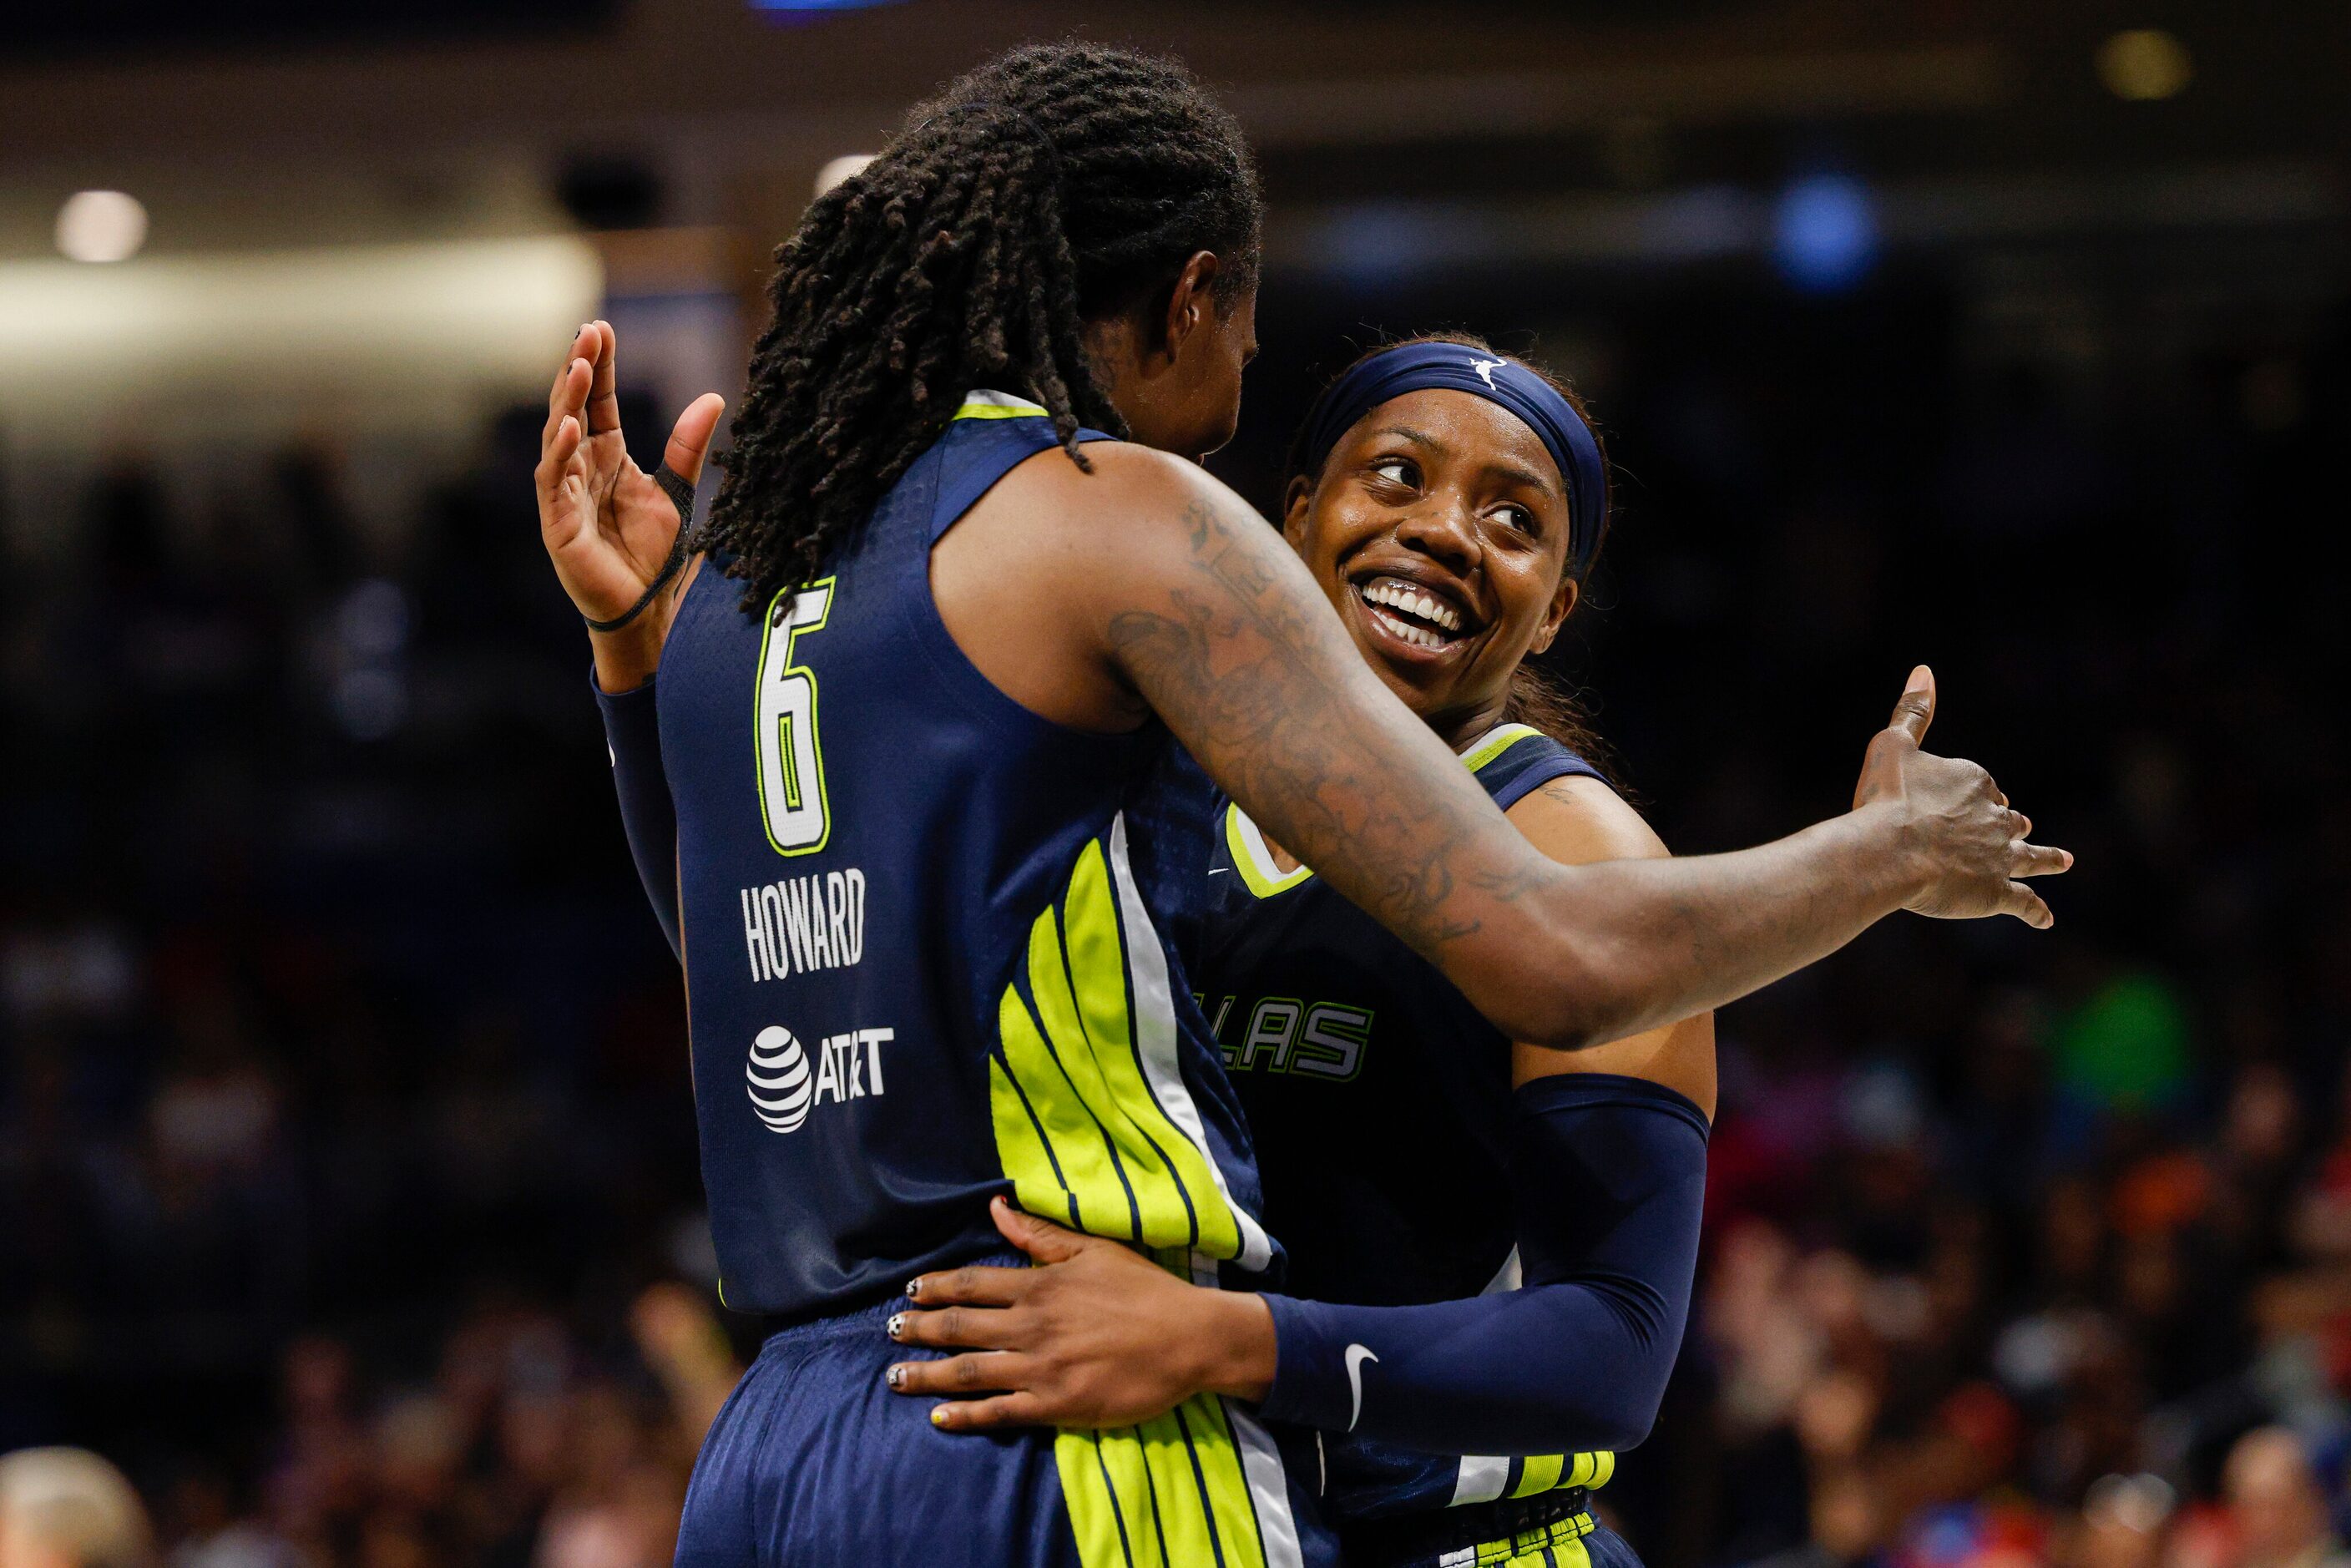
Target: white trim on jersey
[(1269, 1486), (1482, 1478), (1155, 1040)]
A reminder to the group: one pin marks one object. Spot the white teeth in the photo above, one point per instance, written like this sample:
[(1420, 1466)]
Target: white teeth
[(1404, 631), (1412, 601)]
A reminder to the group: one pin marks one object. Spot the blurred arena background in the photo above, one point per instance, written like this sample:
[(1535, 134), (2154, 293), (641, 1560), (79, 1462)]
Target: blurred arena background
[(348, 1190)]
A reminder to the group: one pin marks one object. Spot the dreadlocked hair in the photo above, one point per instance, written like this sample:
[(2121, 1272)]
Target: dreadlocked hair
[(1536, 699), (1056, 186)]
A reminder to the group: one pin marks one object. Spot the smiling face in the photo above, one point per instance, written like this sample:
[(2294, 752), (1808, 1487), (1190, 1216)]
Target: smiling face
[(1438, 526)]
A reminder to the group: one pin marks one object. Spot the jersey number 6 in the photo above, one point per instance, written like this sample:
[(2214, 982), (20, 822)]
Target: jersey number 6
[(791, 760)]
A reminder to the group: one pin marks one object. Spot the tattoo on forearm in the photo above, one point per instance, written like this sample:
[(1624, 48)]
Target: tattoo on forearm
[(1239, 669)]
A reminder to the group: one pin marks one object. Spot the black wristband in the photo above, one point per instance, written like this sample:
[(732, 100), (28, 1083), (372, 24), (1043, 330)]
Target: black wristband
[(681, 494)]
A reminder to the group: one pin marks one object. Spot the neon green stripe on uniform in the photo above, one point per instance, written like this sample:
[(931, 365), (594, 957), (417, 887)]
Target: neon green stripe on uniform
[(1022, 1152), (1098, 967), (1183, 1527), (1498, 740), (998, 406), (1169, 1494), (1109, 1146), (1559, 1544), (1096, 1520), (1075, 1139), (1229, 1501), (1263, 877), (1541, 1474), (1130, 1478), (1090, 1056)]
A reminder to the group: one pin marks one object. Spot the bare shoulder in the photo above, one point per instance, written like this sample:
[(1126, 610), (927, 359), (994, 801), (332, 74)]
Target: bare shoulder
[(1577, 820), (1081, 532), (1122, 482), (1029, 581)]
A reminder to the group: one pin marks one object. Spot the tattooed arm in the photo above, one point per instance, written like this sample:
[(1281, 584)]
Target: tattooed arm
[(1170, 595), (1225, 634)]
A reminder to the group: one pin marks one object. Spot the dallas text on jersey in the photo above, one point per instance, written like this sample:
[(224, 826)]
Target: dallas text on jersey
[(1285, 1034)]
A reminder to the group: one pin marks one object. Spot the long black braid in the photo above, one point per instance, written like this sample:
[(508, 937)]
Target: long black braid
[(1056, 186)]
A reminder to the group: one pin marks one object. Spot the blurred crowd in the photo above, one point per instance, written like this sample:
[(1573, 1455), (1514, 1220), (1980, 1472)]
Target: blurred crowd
[(347, 1158), (348, 1189)]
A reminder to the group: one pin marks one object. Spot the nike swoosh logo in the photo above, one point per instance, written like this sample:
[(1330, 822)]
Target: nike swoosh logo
[(1356, 1355)]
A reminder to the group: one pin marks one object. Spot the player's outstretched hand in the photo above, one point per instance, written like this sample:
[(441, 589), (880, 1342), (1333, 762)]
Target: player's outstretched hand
[(608, 525), (1972, 845), (1095, 1334)]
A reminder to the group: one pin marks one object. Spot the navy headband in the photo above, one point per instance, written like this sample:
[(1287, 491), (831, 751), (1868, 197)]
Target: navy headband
[(1457, 367)]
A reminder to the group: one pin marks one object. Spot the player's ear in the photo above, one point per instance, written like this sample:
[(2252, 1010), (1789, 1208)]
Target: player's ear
[(1562, 603), (1297, 507), (1190, 307)]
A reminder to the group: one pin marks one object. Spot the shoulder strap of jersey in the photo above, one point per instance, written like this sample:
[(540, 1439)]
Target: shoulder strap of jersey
[(1515, 759), (991, 433)]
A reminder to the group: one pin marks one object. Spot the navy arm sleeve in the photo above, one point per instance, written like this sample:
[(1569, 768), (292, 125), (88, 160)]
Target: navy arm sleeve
[(1608, 1177), (648, 815)]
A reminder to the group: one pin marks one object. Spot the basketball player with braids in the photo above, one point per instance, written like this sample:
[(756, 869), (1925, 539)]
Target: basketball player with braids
[(918, 695)]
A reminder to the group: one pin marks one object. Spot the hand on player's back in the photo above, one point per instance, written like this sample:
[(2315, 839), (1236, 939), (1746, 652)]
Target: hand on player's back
[(1093, 1334), (1972, 845), (607, 524)]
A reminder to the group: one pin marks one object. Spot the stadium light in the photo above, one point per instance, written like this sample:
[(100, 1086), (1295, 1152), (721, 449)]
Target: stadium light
[(102, 226), (839, 169), (2144, 64), (1825, 233)]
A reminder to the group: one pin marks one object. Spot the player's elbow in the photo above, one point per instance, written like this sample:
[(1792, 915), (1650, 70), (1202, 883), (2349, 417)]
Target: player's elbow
[(1607, 1396), (1614, 1418), (1583, 995), (1625, 1434), (1581, 1415)]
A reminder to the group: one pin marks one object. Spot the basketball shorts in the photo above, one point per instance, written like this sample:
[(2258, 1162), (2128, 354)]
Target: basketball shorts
[(814, 1463), (1555, 1532)]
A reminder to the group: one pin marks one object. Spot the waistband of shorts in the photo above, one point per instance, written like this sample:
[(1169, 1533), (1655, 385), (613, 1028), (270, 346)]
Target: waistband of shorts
[(867, 1321), (1459, 1537)]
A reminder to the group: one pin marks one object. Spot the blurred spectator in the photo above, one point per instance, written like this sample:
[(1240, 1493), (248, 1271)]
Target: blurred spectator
[(67, 1508), (2276, 1506)]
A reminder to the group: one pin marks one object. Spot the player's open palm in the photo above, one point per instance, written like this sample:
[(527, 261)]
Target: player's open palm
[(1971, 843), (610, 527)]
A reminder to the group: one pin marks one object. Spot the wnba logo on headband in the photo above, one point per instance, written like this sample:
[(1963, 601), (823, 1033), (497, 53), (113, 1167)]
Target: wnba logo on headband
[(1457, 367)]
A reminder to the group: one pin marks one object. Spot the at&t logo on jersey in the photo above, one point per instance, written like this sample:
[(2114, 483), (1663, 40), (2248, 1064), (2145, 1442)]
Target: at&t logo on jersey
[(780, 1086), (783, 1086)]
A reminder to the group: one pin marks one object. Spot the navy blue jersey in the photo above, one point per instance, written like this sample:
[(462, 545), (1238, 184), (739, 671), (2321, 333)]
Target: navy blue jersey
[(925, 961), (1380, 1102)]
